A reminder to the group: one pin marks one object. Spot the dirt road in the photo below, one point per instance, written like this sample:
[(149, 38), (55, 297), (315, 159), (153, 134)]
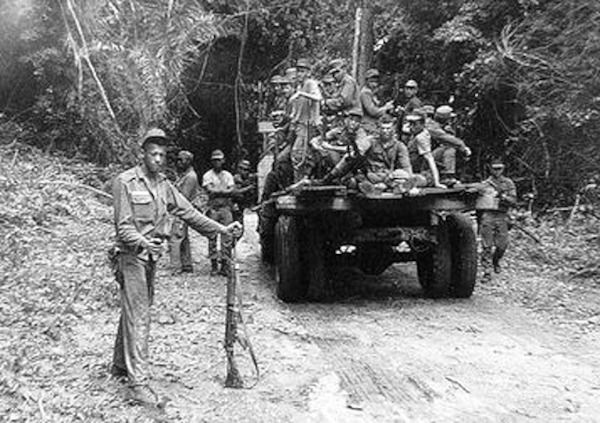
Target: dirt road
[(379, 353)]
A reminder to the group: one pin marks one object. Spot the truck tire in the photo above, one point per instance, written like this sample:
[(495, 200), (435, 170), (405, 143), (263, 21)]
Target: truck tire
[(288, 268), (434, 266), (314, 251), (463, 242)]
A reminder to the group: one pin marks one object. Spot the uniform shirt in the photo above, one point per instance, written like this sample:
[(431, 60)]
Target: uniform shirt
[(306, 110), (387, 156), (218, 181), (370, 107), (188, 185), (440, 135), (506, 190), (347, 97), (140, 211)]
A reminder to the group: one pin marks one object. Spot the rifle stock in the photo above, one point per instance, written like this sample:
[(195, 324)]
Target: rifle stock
[(234, 379)]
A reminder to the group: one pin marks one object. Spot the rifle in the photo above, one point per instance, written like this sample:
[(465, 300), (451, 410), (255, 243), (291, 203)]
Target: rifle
[(233, 317)]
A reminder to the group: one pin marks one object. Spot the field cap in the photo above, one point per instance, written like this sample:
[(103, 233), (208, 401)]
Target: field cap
[(303, 63), (415, 116), (156, 134), (372, 73), (244, 164), (291, 73), (386, 118), (328, 79), (444, 111), (411, 83), (336, 64), (497, 164), (427, 110), (275, 79), (283, 80), (184, 154), (217, 155)]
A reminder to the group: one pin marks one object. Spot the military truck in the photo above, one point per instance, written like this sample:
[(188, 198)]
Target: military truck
[(312, 230)]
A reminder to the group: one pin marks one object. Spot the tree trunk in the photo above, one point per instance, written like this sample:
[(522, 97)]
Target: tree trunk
[(363, 42)]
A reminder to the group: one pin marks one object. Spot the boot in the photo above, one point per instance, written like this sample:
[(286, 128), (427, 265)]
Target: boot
[(214, 267)]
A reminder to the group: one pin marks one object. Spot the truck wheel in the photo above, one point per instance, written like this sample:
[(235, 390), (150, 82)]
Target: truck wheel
[(288, 270), (463, 243), (434, 265), (314, 252)]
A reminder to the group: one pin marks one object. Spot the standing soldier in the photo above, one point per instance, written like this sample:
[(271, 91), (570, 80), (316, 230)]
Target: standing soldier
[(143, 197), (244, 194), (179, 242), (499, 194), (219, 185), (371, 106), (306, 118)]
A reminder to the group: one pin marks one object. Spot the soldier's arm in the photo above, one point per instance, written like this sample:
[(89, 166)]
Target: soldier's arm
[(369, 106), (438, 134), (509, 193), (179, 206), (123, 213), (434, 170)]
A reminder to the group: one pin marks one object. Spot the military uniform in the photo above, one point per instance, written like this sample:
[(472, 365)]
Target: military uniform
[(305, 120), (141, 207), (220, 210), (179, 243), (493, 222)]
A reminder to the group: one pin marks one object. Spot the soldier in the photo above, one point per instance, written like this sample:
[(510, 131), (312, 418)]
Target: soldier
[(142, 199), (387, 164), (219, 185), (419, 147), (371, 106), (412, 103), (306, 118), (244, 193), (179, 242), (447, 144), (347, 96), (493, 218)]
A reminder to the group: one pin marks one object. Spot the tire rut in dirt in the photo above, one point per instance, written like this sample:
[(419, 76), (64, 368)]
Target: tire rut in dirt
[(365, 375)]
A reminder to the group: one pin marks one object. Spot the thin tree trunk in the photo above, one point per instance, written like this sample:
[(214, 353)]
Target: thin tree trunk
[(362, 52)]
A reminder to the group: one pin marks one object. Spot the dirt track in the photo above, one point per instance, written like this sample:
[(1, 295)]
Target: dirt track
[(379, 353)]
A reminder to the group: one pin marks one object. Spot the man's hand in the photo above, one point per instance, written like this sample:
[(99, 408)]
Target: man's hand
[(438, 185), (234, 229), (467, 152), (155, 247)]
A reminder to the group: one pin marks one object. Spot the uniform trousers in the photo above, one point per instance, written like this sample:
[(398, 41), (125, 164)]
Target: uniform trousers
[(180, 252), (136, 277), (224, 216), (493, 228)]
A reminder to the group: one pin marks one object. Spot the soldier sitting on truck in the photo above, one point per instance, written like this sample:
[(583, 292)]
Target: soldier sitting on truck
[(419, 148), (387, 164), (447, 144)]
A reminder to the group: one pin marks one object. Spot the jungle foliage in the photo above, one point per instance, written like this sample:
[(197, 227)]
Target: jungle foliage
[(85, 77)]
